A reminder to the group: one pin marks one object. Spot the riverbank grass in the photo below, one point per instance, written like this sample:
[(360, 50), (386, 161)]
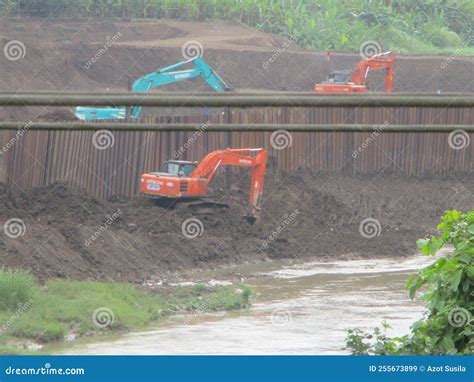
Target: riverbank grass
[(30, 313)]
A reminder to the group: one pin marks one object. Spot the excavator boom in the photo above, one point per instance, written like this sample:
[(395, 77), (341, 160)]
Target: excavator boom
[(184, 179), (153, 80)]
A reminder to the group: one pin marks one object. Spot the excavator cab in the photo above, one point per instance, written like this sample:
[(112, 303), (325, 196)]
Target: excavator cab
[(178, 167), (339, 77)]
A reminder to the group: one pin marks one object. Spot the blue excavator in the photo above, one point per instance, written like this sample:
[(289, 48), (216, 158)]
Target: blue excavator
[(153, 80)]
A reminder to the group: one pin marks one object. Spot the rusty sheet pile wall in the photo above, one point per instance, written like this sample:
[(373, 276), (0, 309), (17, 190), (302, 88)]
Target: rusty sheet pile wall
[(112, 163)]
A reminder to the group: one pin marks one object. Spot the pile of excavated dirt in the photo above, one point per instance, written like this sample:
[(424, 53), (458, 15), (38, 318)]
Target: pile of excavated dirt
[(106, 55), (67, 233)]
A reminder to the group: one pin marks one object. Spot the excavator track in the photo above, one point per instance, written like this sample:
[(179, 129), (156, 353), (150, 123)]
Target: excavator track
[(207, 207), (198, 206)]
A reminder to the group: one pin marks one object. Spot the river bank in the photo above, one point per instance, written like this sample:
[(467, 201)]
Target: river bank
[(62, 232), (299, 308), (33, 315)]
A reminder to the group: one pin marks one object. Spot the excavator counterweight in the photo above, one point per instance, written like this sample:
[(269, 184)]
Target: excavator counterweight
[(343, 82), (179, 180)]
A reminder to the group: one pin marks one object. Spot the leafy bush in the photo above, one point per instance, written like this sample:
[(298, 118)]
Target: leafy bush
[(448, 326), (17, 287)]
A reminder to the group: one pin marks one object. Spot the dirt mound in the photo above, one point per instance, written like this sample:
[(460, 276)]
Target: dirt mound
[(58, 54), (67, 233)]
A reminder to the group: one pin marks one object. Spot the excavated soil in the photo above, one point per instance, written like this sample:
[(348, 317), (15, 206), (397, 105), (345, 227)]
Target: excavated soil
[(304, 216), (57, 56)]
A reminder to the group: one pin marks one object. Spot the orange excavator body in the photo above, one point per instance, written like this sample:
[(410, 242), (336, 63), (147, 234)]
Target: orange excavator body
[(184, 179), (346, 82)]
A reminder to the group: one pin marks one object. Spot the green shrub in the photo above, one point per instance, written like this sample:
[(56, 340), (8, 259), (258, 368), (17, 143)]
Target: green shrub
[(440, 36), (17, 288), (448, 324)]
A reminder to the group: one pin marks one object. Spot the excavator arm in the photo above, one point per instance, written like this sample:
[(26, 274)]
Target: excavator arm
[(237, 157), (376, 62), (161, 77)]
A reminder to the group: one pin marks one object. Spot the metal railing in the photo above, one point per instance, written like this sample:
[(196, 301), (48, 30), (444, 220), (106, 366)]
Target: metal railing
[(240, 100), (78, 126), (232, 100)]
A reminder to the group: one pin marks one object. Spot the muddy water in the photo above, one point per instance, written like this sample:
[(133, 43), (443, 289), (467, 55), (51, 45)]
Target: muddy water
[(300, 309)]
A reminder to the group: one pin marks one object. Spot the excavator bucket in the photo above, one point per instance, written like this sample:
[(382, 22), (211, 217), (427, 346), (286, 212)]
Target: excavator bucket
[(88, 113), (251, 219), (253, 216)]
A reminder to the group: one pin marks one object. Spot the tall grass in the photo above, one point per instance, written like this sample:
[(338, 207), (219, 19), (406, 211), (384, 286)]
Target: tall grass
[(411, 26), (17, 287)]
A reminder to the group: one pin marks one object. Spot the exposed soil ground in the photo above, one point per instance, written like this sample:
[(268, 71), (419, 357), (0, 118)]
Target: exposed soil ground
[(304, 216), (57, 56), (134, 239)]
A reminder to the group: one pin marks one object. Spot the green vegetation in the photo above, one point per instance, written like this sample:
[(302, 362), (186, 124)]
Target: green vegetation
[(43, 314), (404, 26), (448, 326), (16, 288)]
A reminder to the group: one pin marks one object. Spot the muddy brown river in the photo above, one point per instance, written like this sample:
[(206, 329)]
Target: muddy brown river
[(299, 309)]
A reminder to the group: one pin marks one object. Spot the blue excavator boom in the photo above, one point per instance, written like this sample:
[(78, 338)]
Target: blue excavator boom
[(153, 80)]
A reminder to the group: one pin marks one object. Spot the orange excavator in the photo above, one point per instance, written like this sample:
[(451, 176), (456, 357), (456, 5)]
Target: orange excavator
[(184, 180), (345, 81)]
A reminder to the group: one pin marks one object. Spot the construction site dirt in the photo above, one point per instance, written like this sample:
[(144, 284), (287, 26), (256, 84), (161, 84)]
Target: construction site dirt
[(68, 233), (106, 55)]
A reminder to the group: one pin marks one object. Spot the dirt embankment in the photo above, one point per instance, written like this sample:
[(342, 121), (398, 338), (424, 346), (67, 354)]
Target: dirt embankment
[(70, 234), (57, 56)]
